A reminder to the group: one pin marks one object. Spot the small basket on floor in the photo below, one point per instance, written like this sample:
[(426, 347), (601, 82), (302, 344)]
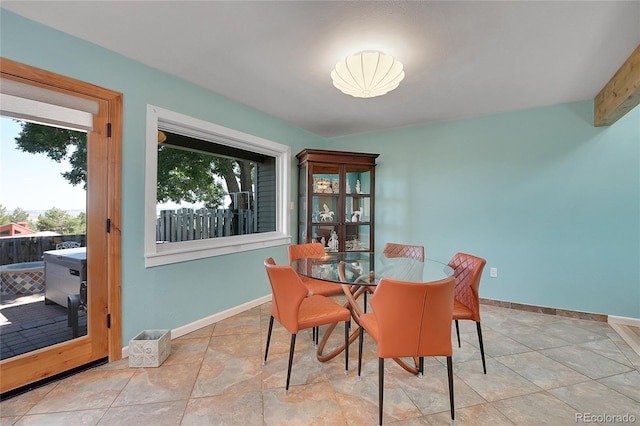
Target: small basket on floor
[(149, 348)]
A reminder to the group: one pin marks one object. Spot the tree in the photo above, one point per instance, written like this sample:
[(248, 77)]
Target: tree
[(58, 220), (5, 218), (19, 215), (57, 144), (187, 176), (183, 176)]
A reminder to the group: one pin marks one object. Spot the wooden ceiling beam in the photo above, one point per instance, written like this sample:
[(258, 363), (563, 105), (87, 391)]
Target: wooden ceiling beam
[(621, 94)]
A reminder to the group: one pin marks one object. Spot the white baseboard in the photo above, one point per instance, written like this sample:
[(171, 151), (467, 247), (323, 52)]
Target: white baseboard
[(632, 322), (212, 319)]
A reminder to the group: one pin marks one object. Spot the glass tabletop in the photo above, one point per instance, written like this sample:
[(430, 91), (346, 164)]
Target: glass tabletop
[(369, 268)]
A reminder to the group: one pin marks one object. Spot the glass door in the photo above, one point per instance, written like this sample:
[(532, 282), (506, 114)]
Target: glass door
[(326, 212), (44, 227), (358, 209), (61, 255)]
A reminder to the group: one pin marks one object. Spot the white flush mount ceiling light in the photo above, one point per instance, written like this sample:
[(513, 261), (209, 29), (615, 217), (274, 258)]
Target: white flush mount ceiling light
[(367, 74)]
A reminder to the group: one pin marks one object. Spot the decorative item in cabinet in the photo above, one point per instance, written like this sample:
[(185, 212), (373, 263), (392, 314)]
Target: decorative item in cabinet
[(336, 193)]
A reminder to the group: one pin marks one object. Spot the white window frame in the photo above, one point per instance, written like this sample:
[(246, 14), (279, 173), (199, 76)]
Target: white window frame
[(167, 253)]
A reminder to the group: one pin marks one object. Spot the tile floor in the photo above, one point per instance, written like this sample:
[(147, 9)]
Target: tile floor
[(541, 369)]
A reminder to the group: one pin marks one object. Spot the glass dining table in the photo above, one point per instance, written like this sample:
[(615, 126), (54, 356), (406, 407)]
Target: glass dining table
[(359, 273)]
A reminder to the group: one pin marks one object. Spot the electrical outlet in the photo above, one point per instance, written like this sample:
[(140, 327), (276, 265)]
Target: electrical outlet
[(493, 272)]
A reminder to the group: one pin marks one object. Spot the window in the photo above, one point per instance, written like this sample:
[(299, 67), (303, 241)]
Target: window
[(211, 190)]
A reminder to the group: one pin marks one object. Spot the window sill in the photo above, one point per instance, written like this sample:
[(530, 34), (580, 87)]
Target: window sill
[(191, 250)]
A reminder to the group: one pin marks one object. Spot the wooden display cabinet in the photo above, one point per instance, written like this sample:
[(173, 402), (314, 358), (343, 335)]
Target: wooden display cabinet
[(336, 194)]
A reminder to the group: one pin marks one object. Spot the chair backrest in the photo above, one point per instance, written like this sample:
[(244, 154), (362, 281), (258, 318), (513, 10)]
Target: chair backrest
[(402, 262), (414, 319), (403, 250), (288, 293), (296, 251), (467, 272), (67, 245)]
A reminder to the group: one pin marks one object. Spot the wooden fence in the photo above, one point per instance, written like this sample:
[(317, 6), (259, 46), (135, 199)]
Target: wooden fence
[(189, 224), (31, 249)]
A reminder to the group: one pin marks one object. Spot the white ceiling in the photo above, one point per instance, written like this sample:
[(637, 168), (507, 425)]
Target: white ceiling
[(462, 59)]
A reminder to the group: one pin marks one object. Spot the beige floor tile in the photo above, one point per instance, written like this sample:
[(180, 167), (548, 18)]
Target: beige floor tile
[(501, 344), (535, 409), (187, 351), (9, 420), (476, 415), (311, 404), (586, 362), (83, 391), (607, 348), (228, 409), (541, 370), (76, 417), (244, 323), (533, 338), (306, 369), (21, 404), (162, 413), (574, 331), (626, 383), (596, 398), (215, 376), (431, 392), (230, 376), (232, 346), (150, 385), (500, 382)]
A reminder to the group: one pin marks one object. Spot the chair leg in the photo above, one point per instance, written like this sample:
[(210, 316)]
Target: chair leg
[(458, 333), (360, 339), (421, 367), (347, 327), (291, 350), (73, 304), (266, 351), (380, 388), (450, 374), (317, 336), (484, 365)]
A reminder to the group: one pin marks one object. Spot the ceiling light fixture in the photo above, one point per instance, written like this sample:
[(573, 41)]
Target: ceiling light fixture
[(367, 74)]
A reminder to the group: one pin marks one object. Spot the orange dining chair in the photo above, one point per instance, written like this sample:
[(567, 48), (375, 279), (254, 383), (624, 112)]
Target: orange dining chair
[(296, 310), (408, 262), (410, 319), (316, 286), (466, 305), (403, 250)]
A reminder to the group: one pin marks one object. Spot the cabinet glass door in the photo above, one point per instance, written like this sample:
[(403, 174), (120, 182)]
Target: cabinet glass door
[(325, 206), (357, 210)]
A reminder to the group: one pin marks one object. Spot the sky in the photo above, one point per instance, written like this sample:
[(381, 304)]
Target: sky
[(33, 181)]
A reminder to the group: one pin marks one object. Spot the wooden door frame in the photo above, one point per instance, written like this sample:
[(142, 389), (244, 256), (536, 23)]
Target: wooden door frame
[(107, 130)]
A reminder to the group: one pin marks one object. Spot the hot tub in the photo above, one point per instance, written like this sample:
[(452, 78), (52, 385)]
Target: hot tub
[(64, 271), (20, 279)]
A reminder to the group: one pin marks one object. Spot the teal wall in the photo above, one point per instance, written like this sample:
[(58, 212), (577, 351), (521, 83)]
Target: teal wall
[(545, 197), (174, 295)]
